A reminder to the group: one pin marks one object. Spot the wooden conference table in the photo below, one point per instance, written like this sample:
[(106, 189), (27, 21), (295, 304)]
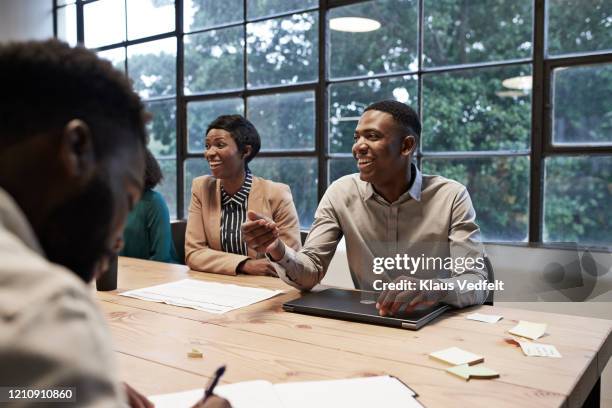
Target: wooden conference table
[(262, 341)]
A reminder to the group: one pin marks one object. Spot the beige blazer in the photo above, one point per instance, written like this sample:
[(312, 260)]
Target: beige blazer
[(203, 236)]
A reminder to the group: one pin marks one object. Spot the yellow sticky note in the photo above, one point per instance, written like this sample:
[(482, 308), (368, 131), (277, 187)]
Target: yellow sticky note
[(528, 330), (466, 372), (457, 356), (195, 353)]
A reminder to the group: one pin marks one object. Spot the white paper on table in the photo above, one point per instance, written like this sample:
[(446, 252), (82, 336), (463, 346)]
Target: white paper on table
[(210, 297), (484, 317), (538, 349), (366, 392), (529, 330), (356, 392)]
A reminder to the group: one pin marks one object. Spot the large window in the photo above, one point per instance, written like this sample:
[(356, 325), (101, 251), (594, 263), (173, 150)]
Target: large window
[(514, 95)]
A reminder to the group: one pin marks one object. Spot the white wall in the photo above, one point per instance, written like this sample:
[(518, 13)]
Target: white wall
[(26, 19)]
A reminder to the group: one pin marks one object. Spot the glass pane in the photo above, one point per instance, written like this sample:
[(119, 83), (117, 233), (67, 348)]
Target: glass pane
[(193, 168), (579, 26), (263, 8), (152, 67), (461, 32), (67, 24), (162, 128), (167, 187), (578, 199), (116, 56), (349, 99), (149, 17), (200, 14), (200, 114), (283, 51), (479, 109), (341, 167), (499, 188), (300, 174), (583, 105), (62, 2), (214, 61), (104, 22), (284, 121), (389, 45)]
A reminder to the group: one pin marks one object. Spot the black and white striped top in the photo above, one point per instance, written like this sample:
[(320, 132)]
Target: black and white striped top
[(233, 214)]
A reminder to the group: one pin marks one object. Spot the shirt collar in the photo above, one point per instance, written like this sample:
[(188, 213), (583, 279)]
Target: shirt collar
[(413, 191), (15, 221), (241, 195)]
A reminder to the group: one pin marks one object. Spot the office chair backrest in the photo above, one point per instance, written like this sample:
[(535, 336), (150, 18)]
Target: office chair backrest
[(491, 278), (178, 228)]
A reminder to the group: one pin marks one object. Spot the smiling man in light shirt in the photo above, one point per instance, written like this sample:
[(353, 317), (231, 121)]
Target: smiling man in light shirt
[(388, 208)]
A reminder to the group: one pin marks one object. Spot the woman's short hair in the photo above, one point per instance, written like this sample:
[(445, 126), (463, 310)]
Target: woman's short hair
[(153, 173), (242, 130)]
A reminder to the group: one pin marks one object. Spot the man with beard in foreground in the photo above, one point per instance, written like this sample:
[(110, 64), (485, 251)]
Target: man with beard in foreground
[(72, 140)]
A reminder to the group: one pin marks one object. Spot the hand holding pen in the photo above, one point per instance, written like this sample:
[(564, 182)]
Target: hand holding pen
[(212, 401)]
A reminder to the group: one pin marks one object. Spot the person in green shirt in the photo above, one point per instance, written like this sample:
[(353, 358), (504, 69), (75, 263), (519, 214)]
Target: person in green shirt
[(147, 232)]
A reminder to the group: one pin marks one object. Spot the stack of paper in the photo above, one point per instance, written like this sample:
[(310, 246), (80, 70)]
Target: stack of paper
[(529, 330), (207, 296), (364, 392), (464, 363)]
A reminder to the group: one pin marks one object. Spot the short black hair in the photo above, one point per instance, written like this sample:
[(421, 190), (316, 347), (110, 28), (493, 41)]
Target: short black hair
[(403, 114), (48, 83), (153, 174), (242, 130)]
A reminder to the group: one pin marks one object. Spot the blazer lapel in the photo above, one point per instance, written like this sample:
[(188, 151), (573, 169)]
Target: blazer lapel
[(257, 203), (214, 215)]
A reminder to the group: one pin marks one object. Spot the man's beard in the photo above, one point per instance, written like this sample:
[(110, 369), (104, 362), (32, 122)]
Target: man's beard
[(76, 233)]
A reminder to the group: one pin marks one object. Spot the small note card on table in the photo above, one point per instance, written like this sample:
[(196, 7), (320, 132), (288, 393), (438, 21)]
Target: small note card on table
[(457, 356), (210, 297), (539, 350), (484, 317), (528, 330), (466, 372)]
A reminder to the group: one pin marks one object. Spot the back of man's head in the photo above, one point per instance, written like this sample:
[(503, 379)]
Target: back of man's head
[(405, 117), (48, 83), (72, 137)]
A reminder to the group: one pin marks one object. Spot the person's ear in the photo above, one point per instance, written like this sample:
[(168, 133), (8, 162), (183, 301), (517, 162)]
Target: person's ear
[(247, 151), (76, 151), (408, 145)]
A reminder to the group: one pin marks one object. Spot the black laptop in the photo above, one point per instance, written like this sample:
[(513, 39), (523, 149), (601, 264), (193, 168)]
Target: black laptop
[(359, 306)]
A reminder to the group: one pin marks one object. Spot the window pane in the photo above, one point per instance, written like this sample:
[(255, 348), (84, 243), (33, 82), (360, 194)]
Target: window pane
[(152, 67), (162, 128), (263, 8), (200, 14), (116, 56), (67, 24), (214, 61), (62, 2), (349, 99), (479, 109), (499, 188), (460, 32), (193, 168), (149, 17), (578, 199), (283, 51), (341, 167), (583, 105), (389, 48), (200, 114), (300, 174), (104, 22), (579, 26), (284, 121), (167, 187)]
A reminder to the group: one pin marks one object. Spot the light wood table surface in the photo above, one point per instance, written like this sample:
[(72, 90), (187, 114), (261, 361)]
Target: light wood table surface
[(262, 341)]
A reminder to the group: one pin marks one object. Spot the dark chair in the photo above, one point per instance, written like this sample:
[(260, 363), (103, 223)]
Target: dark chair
[(303, 235), (491, 278), (178, 228)]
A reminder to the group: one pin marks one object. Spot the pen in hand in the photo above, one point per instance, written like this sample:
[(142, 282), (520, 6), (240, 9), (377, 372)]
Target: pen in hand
[(210, 388)]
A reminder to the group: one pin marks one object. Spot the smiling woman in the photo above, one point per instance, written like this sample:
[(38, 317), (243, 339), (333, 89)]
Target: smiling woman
[(219, 203)]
